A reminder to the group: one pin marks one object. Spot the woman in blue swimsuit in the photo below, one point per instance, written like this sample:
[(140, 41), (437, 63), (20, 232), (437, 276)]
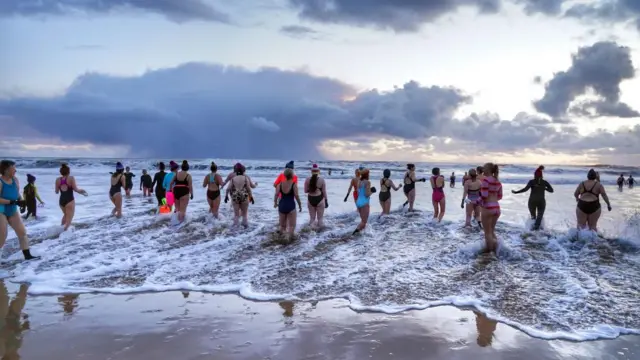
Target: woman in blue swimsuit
[(288, 191), (65, 186), (10, 199), (362, 202)]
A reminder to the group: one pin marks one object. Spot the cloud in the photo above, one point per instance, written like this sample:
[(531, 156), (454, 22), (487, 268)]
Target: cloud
[(197, 110), (175, 10), (611, 11), (600, 68), (300, 32), (398, 15)]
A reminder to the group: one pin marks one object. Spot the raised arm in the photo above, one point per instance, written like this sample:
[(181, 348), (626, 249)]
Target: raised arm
[(35, 189), (526, 188)]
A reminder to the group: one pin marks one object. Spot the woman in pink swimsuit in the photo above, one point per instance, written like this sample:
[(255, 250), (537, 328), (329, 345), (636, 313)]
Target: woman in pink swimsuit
[(437, 198), (490, 193)]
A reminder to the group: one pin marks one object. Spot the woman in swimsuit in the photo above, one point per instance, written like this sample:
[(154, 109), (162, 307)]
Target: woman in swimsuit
[(362, 203), (410, 185), (316, 190), (490, 193), (213, 183), (158, 178), (65, 186), (240, 190), (587, 195), (10, 199), (437, 197), (453, 180), (471, 196), (117, 183), (128, 175), (288, 191), (537, 203), (354, 185), (182, 186), (386, 185)]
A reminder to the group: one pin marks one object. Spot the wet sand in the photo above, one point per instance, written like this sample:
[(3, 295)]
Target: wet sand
[(199, 326)]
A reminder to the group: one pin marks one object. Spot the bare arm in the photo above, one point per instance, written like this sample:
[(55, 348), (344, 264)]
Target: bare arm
[(306, 185), (605, 197), (275, 195), (190, 180), (576, 193), (251, 183), (367, 188), (205, 182), (75, 187), (2, 200), (123, 181), (465, 192), (57, 187), (393, 185), (324, 190), (295, 193)]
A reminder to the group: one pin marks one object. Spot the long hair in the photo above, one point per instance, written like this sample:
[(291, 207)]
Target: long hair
[(214, 167), (185, 165), (493, 169), (64, 170), (364, 174), (313, 183), (4, 165), (473, 174)]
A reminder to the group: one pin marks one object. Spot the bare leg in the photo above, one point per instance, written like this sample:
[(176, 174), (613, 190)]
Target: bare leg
[(320, 213), (64, 216), (364, 217), (581, 218), (494, 222), (469, 210), (182, 212), (291, 223), (443, 206), (245, 213), (436, 211), (210, 202), (117, 200), (412, 198), (4, 224), (592, 220), (488, 231), (236, 213), (312, 213), (16, 223), (216, 207), (282, 222), (69, 210)]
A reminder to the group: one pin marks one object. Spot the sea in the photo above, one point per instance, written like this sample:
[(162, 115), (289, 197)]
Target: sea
[(558, 283)]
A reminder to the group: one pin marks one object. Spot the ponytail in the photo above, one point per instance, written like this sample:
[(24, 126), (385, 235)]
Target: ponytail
[(496, 171), (313, 183)]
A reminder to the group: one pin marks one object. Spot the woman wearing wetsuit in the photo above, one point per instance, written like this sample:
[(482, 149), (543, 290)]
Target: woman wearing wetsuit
[(9, 201), (490, 193), (288, 191), (437, 197), (471, 196), (316, 190), (587, 195), (213, 183), (128, 175), (537, 202), (146, 183), (182, 186), (240, 190), (410, 185), (453, 180), (158, 179), (117, 183), (354, 185), (384, 196), (362, 203), (65, 186)]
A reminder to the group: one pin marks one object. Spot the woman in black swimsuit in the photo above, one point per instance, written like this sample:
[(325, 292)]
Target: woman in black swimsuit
[(386, 185), (128, 175), (213, 183), (316, 190), (182, 186), (288, 191), (587, 195), (410, 185), (65, 186), (117, 183)]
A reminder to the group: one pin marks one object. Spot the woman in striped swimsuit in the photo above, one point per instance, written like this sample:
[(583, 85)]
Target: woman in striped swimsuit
[(471, 197), (490, 193)]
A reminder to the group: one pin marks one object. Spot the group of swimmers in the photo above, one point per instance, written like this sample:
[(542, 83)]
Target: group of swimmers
[(622, 181), (481, 195)]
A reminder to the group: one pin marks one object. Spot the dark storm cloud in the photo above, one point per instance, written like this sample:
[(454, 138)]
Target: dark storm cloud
[(175, 10), (546, 7), (198, 110), (601, 68), (609, 11), (399, 15), (297, 31)]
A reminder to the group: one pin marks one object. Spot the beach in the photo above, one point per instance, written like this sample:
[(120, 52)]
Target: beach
[(194, 325)]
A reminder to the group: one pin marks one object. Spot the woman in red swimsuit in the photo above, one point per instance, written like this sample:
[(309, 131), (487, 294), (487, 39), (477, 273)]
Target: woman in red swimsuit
[(437, 197), (490, 193)]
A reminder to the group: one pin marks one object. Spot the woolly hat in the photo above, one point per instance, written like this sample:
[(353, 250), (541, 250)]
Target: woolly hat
[(538, 172), (289, 165), (119, 166), (315, 168), (31, 178)]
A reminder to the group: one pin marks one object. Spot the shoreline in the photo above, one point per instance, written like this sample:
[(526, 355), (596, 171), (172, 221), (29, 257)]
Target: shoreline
[(197, 325)]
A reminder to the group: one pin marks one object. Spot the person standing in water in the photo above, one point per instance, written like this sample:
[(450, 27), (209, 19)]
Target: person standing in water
[(240, 190), (287, 191), (621, 182), (115, 191), (65, 186), (213, 183), (362, 203), (168, 178), (471, 196), (354, 185), (158, 179), (437, 197), (128, 175), (453, 180), (316, 190), (409, 187), (282, 178), (9, 201), (384, 196), (537, 202), (631, 180), (465, 177), (30, 194), (491, 194), (182, 186), (146, 183), (588, 207)]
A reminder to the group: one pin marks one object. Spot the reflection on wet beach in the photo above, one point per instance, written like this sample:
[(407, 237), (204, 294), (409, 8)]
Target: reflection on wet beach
[(14, 322)]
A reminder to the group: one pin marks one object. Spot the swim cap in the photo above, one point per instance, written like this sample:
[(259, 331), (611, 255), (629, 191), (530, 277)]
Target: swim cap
[(315, 168), (410, 165), (31, 178), (237, 167), (173, 165), (119, 166), (289, 165), (361, 167), (386, 173)]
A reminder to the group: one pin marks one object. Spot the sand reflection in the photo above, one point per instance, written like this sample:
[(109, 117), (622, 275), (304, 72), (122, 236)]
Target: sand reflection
[(13, 321), (486, 327)]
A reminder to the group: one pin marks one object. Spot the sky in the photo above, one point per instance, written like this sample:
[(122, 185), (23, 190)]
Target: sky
[(525, 81)]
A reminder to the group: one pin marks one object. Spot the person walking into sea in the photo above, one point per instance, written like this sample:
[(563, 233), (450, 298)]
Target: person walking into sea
[(158, 180), (10, 200), (409, 187), (491, 194), (362, 203), (354, 185), (452, 180), (631, 181), (240, 190), (437, 197), (115, 191), (471, 196), (621, 182), (588, 207), (386, 184), (316, 189), (65, 186), (213, 183), (287, 191), (182, 186), (30, 195), (146, 183), (128, 175), (537, 203)]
